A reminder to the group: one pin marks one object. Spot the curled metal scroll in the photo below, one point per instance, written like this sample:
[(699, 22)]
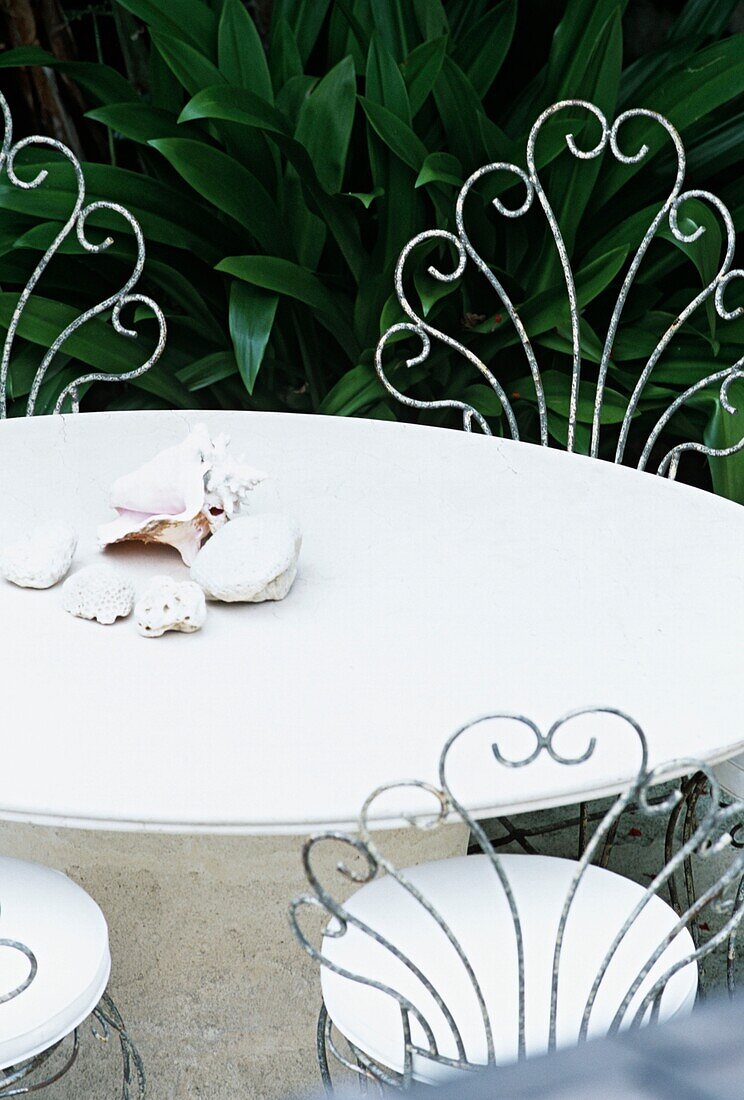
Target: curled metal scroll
[(76, 221), (638, 1000), (609, 139), (33, 967)]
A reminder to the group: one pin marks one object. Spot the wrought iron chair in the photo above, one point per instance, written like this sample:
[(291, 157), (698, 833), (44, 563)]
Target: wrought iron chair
[(528, 182), (48, 990), (484, 960), (55, 961), (649, 451), (68, 385)]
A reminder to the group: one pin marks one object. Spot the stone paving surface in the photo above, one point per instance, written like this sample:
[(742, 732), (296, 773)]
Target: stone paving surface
[(264, 1055)]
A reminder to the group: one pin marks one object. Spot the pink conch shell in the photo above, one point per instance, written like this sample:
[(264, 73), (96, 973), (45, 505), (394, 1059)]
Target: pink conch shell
[(181, 496)]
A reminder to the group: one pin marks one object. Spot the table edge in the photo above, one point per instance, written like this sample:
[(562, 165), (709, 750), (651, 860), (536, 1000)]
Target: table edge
[(303, 828)]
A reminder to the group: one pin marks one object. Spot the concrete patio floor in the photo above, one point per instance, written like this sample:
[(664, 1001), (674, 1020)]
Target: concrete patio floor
[(236, 1054)]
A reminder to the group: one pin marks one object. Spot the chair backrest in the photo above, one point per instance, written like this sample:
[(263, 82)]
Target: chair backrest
[(570, 742), (76, 224), (668, 219)]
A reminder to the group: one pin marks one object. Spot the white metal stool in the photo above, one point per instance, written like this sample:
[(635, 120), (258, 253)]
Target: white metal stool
[(54, 968)]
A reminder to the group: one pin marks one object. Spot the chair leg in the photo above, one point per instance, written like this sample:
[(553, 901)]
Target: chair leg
[(523, 835), (583, 827), (731, 946), (133, 1083), (322, 1050), (357, 1063), (25, 1079), (691, 788), (14, 1081)]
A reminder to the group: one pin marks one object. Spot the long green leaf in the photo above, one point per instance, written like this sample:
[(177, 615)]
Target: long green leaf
[(166, 90), (431, 18), (229, 186), (242, 106), (24, 365), (557, 387), (191, 68), (236, 105), (472, 137), (702, 19), (440, 168), (189, 298), (283, 277), (389, 22), (190, 20), (481, 52), (353, 392), (240, 52), (724, 430), (325, 121), (138, 121), (305, 17), (717, 148), (165, 213), (284, 57), (648, 70), (710, 78), (390, 143), (421, 69), (574, 45), (101, 81), (212, 368), (384, 83), (398, 137), (252, 313)]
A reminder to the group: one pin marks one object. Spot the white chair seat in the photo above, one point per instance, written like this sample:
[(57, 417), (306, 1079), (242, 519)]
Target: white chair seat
[(67, 932), (467, 894)]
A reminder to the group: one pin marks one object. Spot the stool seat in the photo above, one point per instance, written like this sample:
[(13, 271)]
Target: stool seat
[(467, 894), (54, 917)]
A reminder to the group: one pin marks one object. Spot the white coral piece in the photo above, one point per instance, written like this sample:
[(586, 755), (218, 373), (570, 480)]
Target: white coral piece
[(228, 481), (167, 604), (181, 496), (252, 559), (98, 592), (40, 558)]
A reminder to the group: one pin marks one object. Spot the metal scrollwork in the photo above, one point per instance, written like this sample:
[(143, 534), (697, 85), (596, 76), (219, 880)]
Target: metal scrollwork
[(12, 1079), (33, 968), (638, 1001), (668, 213), (47, 1068), (424, 331), (125, 296)]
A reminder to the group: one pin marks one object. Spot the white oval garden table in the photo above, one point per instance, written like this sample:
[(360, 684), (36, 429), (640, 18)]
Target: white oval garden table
[(442, 575)]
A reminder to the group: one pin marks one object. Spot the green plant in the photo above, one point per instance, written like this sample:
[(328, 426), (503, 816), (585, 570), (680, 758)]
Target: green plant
[(276, 184)]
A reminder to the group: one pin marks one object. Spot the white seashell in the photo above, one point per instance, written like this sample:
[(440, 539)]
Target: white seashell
[(41, 558), (170, 605), (181, 496), (252, 559), (98, 592)]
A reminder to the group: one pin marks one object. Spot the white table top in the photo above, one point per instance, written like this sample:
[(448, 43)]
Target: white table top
[(442, 576)]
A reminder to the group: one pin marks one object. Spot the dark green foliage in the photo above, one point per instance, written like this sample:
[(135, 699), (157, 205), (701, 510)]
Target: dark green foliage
[(276, 183)]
